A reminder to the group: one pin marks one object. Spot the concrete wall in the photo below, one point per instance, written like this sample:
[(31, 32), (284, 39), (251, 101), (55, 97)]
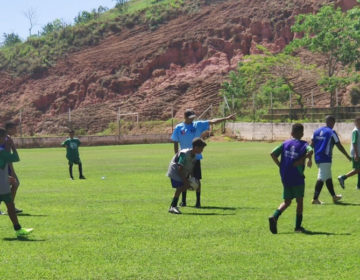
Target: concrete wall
[(281, 131), (41, 142)]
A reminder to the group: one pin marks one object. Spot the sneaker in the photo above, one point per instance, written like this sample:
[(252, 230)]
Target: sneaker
[(18, 211), (341, 181), (337, 197), (23, 232), (317, 201), (198, 205), (183, 204), (82, 177), (2, 213), (174, 210), (300, 230), (273, 225)]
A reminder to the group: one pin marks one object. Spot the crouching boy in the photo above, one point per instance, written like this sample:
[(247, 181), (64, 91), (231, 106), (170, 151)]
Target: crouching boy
[(181, 168), (293, 154)]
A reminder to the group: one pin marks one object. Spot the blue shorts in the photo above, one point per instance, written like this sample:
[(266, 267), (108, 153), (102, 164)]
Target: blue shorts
[(176, 184)]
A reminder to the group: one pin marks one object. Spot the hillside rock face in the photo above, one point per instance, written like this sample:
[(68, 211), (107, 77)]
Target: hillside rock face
[(180, 65)]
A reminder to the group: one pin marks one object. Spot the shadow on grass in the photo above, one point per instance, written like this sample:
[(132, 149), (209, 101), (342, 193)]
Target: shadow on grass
[(346, 203), (30, 215), (309, 232), (223, 208), (23, 239), (208, 214)]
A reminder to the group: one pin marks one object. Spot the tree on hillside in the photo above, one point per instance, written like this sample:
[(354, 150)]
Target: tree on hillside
[(31, 16), (122, 5), (55, 25), (263, 82), (335, 35), (10, 39)]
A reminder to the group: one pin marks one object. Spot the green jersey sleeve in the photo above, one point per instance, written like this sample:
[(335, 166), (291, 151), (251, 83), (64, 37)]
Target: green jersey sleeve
[(278, 150), (309, 148), (355, 137), (182, 159), (6, 157), (66, 142)]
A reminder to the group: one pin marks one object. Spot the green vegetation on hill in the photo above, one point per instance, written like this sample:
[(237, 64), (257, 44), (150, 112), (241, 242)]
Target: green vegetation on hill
[(38, 53)]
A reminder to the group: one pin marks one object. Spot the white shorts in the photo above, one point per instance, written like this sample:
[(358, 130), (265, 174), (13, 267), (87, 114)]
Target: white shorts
[(324, 171)]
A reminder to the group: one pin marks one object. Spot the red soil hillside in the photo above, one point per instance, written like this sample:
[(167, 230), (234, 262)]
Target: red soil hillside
[(182, 63)]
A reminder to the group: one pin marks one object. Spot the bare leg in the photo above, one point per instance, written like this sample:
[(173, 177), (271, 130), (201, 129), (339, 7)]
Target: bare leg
[(12, 214)]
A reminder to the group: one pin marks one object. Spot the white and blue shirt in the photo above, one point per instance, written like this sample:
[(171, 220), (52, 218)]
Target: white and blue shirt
[(324, 139)]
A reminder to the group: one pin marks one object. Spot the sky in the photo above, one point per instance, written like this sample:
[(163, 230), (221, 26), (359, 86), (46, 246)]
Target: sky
[(13, 20)]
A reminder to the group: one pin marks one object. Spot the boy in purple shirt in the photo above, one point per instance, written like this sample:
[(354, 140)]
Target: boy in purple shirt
[(292, 164)]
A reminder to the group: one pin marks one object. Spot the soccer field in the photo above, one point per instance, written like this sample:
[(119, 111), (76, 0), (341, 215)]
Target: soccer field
[(119, 228)]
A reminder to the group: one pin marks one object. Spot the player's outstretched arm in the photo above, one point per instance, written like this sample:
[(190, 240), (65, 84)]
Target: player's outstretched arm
[(215, 121)]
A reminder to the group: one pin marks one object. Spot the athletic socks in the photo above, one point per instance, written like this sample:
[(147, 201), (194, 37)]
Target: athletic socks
[(174, 202), (358, 182), (17, 227), (318, 187), (277, 214), (298, 221), (198, 194), (183, 197), (70, 171), (80, 170), (330, 187)]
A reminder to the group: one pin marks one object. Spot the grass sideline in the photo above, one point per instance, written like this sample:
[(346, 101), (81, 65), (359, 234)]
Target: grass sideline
[(119, 228)]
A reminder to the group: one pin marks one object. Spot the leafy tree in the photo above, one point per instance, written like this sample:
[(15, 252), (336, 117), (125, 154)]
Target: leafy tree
[(336, 36), (262, 82), (11, 39), (122, 5), (56, 25), (83, 17)]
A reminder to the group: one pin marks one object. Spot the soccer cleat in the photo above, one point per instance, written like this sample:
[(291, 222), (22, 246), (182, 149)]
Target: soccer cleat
[(2, 213), (273, 225), (183, 204), (317, 201), (357, 187), (341, 181), (300, 230), (82, 177), (23, 232), (337, 197), (18, 211), (198, 205), (71, 178), (174, 210)]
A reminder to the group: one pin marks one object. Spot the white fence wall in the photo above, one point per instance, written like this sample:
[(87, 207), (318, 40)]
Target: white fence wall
[(40, 142), (281, 131)]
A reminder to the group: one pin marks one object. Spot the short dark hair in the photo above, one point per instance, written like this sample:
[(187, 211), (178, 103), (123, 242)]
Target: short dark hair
[(2, 132), (297, 128), (9, 125), (198, 142), (329, 118), (71, 131)]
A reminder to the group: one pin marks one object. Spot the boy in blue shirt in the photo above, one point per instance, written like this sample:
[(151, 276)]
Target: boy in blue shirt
[(184, 133), (323, 142), (293, 154), (181, 168), (355, 156)]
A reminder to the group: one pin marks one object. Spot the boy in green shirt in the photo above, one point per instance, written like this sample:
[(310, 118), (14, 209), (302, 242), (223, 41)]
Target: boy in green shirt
[(6, 180), (355, 156), (72, 153), (181, 168)]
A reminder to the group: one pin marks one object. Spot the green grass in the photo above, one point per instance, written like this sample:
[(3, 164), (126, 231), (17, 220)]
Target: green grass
[(119, 228)]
